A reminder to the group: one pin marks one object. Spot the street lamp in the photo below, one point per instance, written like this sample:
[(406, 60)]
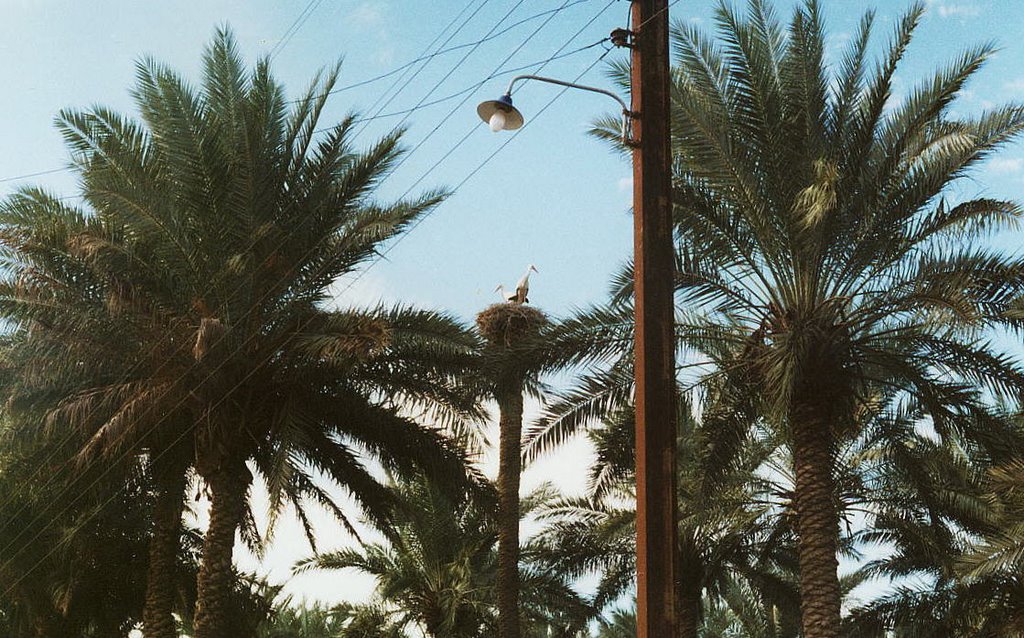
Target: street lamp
[(499, 114), (645, 129), (502, 115)]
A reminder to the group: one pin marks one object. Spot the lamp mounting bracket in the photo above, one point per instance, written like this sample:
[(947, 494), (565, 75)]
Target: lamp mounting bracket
[(622, 38)]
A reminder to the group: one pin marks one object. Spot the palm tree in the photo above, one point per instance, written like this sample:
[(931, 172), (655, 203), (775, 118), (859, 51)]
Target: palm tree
[(730, 533), (72, 566), (513, 334), (816, 237), (212, 232), (437, 572), (251, 610), (81, 335), (925, 497), (955, 562)]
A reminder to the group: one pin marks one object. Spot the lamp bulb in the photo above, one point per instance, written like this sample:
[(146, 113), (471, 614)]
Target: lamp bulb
[(497, 121)]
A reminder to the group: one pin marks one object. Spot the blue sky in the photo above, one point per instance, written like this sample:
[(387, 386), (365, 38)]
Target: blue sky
[(553, 197)]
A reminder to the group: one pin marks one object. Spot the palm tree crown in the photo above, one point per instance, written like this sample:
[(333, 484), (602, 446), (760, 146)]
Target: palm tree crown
[(819, 249), (815, 232), (211, 233)]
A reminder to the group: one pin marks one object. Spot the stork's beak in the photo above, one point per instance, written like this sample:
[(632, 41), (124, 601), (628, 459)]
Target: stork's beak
[(534, 269)]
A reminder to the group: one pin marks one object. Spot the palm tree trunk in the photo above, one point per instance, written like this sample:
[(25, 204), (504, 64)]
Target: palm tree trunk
[(228, 488), (688, 616), (688, 591), (817, 524), (510, 406), (158, 613)]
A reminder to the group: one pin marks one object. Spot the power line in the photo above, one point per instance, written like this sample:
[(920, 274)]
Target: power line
[(473, 129), (36, 174), (457, 47), (290, 32), (421, 58), (667, 7), (454, 68), (496, 69), (475, 86), (403, 81), (495, 73)]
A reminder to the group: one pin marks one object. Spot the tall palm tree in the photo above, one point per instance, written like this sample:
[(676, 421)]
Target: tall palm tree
[(817, 232), (512, 332), (895, 483), (81, 336), (818, 243), (213, 231)]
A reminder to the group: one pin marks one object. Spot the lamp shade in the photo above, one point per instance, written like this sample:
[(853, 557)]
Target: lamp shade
[(513, 119)]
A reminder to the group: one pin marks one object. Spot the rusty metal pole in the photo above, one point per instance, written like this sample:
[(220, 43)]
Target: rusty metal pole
[(655, 343)]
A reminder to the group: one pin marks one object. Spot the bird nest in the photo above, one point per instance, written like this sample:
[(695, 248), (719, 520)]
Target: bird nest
[(505, 324)]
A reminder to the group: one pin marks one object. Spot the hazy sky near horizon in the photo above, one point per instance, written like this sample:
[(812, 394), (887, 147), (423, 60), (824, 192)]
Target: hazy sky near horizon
[(553, 197)]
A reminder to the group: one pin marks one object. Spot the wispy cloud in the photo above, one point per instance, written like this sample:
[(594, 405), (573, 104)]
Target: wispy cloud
[(963, 10), (1006, 165), (974, 100), (625, 186), (956, 9), (1014, 85), (367, 14), (375, 16)]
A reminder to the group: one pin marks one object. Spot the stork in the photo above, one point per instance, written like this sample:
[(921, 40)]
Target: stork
[(521, 291), (509, 297), (523, 287)]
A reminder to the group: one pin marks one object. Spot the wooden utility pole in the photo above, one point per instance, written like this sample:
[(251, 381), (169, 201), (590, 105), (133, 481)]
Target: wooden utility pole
[(655, 342)]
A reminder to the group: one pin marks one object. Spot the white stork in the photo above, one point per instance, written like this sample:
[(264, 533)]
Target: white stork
[(505, 295), (521, 291), (523, 287)]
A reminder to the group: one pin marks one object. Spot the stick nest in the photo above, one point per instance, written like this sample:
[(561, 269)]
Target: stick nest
[(505, 324)]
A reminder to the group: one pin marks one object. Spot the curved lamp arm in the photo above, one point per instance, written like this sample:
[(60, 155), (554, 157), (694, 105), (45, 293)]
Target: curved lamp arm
[(627, 115)]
